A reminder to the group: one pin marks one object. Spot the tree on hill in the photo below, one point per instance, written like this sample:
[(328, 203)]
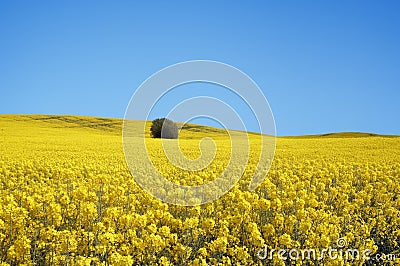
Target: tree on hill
[(164, 128)]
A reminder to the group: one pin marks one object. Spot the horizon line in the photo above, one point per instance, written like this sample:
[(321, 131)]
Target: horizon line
[(322, 134)]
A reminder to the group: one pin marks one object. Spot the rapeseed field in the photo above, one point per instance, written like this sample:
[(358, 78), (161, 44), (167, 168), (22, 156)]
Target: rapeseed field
[(68, 198)]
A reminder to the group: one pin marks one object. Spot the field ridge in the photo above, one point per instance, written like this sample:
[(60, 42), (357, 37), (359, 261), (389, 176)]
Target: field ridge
[(114, 125)]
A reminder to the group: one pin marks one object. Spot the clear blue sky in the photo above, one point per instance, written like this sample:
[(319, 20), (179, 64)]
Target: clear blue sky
[(324, 66)]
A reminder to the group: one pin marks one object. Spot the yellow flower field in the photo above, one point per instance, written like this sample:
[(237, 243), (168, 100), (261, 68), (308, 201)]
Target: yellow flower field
[(67, 198)]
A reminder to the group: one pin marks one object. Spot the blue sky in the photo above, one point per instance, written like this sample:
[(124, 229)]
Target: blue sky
[(324, 66)]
